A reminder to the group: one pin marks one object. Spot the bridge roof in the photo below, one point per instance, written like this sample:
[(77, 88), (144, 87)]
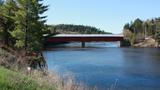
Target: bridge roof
[(87, 35)]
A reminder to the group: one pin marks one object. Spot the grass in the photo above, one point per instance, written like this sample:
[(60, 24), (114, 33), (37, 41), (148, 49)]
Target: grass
[(10, 80)]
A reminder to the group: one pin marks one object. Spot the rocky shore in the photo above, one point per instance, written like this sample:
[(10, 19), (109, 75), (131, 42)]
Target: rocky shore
[(148, 42)]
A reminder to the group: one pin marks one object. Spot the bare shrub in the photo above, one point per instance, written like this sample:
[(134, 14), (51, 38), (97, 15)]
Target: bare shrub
[(12, 59), (7, 59)]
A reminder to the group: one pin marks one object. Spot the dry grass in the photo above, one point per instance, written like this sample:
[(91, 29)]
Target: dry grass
[(13, 60), (7, 59), (67, 83), (52, 79), (149, 42)]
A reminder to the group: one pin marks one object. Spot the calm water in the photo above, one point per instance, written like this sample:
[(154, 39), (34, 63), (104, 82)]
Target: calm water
[(104, 65)]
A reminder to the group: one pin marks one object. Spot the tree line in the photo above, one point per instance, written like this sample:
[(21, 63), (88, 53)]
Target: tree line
[(139, 30), (80, 29), (22, 24)]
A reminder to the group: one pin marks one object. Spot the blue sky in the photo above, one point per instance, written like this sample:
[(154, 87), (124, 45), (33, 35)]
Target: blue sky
[(108, 15)]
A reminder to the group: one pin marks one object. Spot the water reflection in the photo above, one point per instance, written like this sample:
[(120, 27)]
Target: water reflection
[(88, 45)]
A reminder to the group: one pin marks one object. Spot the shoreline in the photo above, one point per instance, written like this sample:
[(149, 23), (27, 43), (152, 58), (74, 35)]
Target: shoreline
[(147, 43)]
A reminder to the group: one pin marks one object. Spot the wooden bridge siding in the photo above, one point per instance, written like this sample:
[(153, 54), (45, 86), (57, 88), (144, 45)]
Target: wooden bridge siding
[(84, 39)]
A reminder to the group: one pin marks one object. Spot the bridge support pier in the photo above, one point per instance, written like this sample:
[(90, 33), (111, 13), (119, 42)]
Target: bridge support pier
[(121, 43), (83, 44), (125, 43)]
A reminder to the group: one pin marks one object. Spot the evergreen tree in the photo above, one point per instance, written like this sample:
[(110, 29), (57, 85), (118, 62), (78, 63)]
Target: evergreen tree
[(7, 22), (29, 24), (1, 21), (70, 29), (127, 26)]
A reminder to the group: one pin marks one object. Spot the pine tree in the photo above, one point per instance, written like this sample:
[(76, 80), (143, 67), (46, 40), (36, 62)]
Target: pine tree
[(7, 22), (1, 21), (29, 24)]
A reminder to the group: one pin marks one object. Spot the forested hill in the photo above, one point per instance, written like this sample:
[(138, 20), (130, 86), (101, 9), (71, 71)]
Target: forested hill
[(75, 29)]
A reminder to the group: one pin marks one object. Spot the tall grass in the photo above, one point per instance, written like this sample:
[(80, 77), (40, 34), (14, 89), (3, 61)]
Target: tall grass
[(53, 79), (10, 80)]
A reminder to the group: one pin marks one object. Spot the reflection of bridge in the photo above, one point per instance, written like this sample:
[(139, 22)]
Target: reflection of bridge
[(84, 38)]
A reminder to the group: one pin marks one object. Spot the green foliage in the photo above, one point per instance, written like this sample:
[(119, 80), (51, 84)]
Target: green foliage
[(6, 21), (66, 28), (135, 32), (126, 26), (136, 26), (132, 39), (137, 23), (10, 80), (29, 24), (22, 25)]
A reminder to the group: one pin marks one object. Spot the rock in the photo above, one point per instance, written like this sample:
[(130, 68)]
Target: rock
[(148, 42)]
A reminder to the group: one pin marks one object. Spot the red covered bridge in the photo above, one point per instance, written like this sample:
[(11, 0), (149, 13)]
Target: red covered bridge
[(84, 38)]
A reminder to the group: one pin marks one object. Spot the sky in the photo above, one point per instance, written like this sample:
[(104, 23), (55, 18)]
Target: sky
[(107, 15)]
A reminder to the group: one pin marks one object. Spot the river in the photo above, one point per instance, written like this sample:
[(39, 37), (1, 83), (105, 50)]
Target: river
[(105, 65)]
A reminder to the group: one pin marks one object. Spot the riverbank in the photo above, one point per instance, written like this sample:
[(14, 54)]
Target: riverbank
[(15, 76), (19, 80), (148, 42), (12, 80)]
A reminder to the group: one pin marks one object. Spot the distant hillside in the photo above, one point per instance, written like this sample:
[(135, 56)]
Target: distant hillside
[(75, 29)]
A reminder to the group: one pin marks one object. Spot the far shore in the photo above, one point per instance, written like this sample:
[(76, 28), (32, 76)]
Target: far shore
[(148, 42)]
